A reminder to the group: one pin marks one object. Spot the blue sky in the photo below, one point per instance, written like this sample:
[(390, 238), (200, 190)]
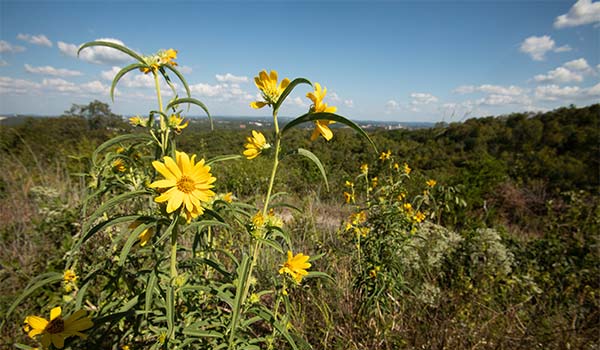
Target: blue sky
[(380, 60)]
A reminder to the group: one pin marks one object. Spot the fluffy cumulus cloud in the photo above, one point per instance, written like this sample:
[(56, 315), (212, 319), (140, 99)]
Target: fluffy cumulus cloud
[(554, 92), (582, 12), (230, 78), (572, 71), (421, 98), (559, 75), (489, 89), (578, 64), (96, 54), (538, 46), (221, 91), (10, 85), (49, 70), (41, 39), (6, 47)]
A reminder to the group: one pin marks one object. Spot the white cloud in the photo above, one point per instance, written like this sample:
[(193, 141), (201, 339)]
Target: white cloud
[(35, 39), (95, 87), (572, 71), (582, 12), (554, 92), (230, 78), (594, 91), (17, 86), (349, 103), (333, 97), (578, 64), (420, 98), (502, 100), (297, 101), (48, 70), (110, 74), (5, 46), (59, 85), (3, 63), (564, 48), (223, 92), (391, 106), (96, 54), (538, 46), (559, 75), (489, 89)]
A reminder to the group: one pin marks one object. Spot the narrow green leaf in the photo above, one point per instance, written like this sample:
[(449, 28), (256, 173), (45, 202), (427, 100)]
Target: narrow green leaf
[(110, 222), (133, 237), (273, 244), (112, 203), (318, 274), (202, 333), (308, 154), (180, 76), (114, 46), (118, 139), (194, 101), (242, 278), (223, 158), (328, 116), (120, 74), (42, 280), (288, 90), (170, 228)]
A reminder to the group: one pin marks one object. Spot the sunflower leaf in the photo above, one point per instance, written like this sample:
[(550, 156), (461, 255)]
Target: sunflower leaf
[(288, 90), (114, 46), (180, 76), (120, 74), (308, 154), (191, 101), (308, 117)]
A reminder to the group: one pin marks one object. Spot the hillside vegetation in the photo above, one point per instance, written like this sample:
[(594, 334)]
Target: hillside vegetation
[(500, 251)]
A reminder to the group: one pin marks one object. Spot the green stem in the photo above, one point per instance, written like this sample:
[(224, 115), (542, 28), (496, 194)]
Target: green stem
[(174, 253), (258, 244), (157, 86)]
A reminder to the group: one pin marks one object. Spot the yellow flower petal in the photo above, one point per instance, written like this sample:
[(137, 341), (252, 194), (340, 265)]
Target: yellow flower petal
[(55, 312), (258, 104)]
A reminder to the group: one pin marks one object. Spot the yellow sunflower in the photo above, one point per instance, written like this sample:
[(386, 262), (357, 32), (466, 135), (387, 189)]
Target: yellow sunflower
[(318, 106), (186, 184), (256, 144), (296, 266), (177, 123), (267, 84), (57, 329)]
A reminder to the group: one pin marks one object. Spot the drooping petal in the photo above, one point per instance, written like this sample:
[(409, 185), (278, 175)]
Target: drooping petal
[(258, 104), (58, 340), (46, 340)]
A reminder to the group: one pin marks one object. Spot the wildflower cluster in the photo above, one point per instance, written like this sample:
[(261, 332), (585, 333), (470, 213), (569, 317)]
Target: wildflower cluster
[(145, 195)]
